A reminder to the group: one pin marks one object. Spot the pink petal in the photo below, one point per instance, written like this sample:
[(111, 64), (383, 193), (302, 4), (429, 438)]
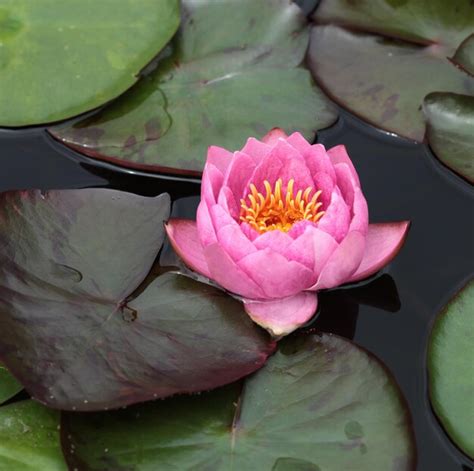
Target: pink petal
[(184, 238), (346, 183), (282, 316), (318, 160), (212, 179), (324, 182), (234, 242), (360, 216), (277, 241), (249, 231), (272, 137), (238, 175), (338, 155), (227, 201), (256, 150), (207, 234), (269, 169), (224, 271), (336, 219), (297, 141), (343, 262), (219, 157), (277, 277), (383, 242), (299, 227)]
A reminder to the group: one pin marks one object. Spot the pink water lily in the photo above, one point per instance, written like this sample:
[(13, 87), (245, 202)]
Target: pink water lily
[(280, 220)]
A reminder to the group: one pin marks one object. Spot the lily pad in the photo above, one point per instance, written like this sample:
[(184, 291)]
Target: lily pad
[(320, 403), (60, 59), (464, 56), (381, 58), (9, 386), (231, 72), (29, 438), (451, 368), (84, 332), (450, 130)]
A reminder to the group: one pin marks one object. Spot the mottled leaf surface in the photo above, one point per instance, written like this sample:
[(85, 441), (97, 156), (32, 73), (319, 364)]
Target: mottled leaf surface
[(9, 386), (232, 72), (450, 130), (320, 403), (29, 438), (84, 333), (60, 59), (381, 58), (451, 368)]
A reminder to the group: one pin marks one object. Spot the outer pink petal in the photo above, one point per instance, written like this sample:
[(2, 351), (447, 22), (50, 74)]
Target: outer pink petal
[(294, 166), (282, 316), (343, 262), (238, 175), (273, 135), (277, 276), (207, 234), (360, 213), (383, 243), (212, 179), (219, 157), (224, 271), (256, 150), (249, 231), (235, 242), (277, 241), (297, 141), (324, 182), (338, 154), (337, 218), (346, 183), (184, 238), (318, 160), (269, 169), (227, 201)]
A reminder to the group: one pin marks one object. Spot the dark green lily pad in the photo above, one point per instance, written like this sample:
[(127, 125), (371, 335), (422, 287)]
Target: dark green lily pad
[(384, 77), (450, 130), (451, 368), (59, 59), (232, 72), (9, 386), (320, 403), (84, 332), (29, 438)]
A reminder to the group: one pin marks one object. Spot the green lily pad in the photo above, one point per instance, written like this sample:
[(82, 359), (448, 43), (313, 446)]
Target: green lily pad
[(320, 403), (464, 56), (85, 332), (232, 72), (450, 130), (9, 386), (29, 438), (60, 59), (451, 368), (379, 59)]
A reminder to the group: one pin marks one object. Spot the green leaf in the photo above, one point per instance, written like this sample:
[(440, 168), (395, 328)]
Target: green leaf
[(29, 438), (320, 403), (9, 386), (381, 58), (464, 56), (451, 368), (60, 59), (232, 72), (450, 130), (84, 332)]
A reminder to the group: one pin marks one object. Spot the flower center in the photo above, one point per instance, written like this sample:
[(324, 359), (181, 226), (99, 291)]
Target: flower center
[(278, 211)]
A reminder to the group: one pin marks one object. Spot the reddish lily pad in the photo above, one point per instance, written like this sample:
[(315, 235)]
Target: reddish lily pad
[(451, 368), (84, 332), (384, 77), (9, 386), (60, 59), (29, 438), (320, 403), (450, 130), (232, 72)]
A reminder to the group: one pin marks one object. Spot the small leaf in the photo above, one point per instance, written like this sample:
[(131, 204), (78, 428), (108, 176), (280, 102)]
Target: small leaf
[(320, 403), (450, 130), (232, 72), (451, 368), (9, 386), (60, 59), (84, 332), (29, 438)]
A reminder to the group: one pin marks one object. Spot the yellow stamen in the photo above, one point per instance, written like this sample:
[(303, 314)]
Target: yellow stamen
[(276, 211)]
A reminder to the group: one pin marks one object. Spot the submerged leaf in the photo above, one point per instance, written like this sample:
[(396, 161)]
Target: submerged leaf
[(9, 386), (84, 332), (232, 72), (451, 368), (60, 59), (320, 403)]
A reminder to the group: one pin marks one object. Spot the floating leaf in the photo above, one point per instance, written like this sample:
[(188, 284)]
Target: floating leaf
[(84, 331), (464, 56), (320, 403), (29, 438), (381, 77), (450, 130), (451, 368), (9, 386), (59, 59), (232, 73)]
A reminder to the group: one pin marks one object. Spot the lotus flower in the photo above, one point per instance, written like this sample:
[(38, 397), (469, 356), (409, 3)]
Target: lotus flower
[(277, 222)]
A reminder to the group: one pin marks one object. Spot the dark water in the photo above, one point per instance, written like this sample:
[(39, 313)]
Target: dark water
[(401, 181)]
